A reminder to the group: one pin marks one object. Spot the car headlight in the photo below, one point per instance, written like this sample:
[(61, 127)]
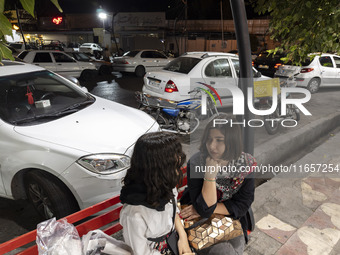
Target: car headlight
[(105, 163)]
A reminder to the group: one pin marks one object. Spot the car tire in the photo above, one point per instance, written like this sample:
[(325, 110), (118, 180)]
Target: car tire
[(314, 85), (104, 70), (87, 75), (49, 196), (140, 71)]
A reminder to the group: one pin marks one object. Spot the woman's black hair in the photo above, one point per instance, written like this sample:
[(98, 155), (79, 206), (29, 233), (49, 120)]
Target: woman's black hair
[(156, 161), (232, 136)]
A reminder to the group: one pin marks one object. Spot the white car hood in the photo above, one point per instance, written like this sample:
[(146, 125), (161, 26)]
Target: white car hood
[(103, 127)]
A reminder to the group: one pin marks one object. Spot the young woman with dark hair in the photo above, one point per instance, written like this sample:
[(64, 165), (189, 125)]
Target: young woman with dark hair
[(229, 192), (149, 192)]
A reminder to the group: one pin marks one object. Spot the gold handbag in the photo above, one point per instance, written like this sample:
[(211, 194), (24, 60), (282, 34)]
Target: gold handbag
[(209, 231)]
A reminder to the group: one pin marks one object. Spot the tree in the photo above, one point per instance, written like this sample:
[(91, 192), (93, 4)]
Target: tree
[(303, 26), (6, 26)]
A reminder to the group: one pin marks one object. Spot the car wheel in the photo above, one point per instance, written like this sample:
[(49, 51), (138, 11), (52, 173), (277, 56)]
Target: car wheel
[(313, 85), (104, 70), (87, 75), (49, 197), (140, 71)]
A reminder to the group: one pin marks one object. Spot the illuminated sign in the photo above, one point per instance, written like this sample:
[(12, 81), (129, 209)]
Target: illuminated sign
[(57, 20)]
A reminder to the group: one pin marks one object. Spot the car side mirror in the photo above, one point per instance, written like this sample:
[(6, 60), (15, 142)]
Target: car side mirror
[(257, 75)]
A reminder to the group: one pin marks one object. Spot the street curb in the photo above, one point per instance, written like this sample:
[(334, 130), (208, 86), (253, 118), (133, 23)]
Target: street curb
[(282, 147)]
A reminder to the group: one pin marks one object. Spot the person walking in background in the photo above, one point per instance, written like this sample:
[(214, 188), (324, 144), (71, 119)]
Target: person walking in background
[(229, 192), (106, 55), (149, 192)]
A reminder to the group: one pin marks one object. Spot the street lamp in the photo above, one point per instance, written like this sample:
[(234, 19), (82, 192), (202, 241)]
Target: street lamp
[(103, 16)]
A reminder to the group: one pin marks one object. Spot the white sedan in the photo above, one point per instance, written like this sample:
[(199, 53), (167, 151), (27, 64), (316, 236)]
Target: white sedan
[(140, 61), (58, 62), (322, 70), (61, 147), (183, 74)]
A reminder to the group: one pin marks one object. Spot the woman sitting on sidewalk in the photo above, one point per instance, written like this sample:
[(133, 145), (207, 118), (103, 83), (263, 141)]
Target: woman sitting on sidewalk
[(229, 192), (149, 192)]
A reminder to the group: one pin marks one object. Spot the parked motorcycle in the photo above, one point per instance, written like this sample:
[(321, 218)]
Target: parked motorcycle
[(273, 122), (177, 117)]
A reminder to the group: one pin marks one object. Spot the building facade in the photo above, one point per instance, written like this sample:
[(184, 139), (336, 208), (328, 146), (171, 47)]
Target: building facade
[(145, 30)]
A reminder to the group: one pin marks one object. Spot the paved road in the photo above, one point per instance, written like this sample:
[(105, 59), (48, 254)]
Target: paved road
[(18, 217)]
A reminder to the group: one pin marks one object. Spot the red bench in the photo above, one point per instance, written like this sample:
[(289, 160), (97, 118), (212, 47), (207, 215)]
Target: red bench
[(110, 218)]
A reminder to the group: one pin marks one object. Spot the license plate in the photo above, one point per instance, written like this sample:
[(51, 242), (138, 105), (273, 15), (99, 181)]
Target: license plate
[(263, 66), (154, 83)]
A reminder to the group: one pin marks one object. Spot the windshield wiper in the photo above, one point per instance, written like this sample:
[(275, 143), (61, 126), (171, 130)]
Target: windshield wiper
[(78, 105), (44, 116), (70, 109)]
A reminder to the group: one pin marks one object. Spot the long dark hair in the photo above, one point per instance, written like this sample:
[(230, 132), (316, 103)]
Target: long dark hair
[(232, 136), (156, 161)]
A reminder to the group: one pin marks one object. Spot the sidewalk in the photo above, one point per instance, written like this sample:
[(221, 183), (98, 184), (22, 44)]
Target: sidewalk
[(300, 214)]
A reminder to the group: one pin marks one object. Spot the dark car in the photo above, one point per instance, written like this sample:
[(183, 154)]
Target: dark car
[(268, 64), (52, 47)]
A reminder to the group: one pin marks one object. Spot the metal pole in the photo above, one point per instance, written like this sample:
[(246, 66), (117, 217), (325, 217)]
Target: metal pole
[(185, 24), (246, 72), (222, 46), (113, 32), (104, 33)]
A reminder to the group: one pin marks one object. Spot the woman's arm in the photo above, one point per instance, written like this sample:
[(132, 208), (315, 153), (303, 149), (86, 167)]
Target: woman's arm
[(195, 184), (183, 244), (221, 209), (240, 202), (209, 181)]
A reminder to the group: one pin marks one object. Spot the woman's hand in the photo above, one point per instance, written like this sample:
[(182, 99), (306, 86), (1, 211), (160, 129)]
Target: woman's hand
[(189, 213), (183, 245), (213, 167)]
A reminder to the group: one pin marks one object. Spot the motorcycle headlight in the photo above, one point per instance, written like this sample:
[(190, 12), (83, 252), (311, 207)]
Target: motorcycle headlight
[(105, 163)]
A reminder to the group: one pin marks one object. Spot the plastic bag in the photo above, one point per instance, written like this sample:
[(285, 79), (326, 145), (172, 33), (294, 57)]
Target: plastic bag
[(58, 238), (97, 242)]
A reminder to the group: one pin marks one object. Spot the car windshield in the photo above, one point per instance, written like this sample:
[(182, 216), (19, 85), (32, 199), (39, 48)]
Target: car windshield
[(236, 64), (131, 53), (306, 62), (39, 97), (81, 56), (182, 65)]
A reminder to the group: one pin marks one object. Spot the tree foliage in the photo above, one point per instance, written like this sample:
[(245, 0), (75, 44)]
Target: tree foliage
[(303, 26), (6, 26)]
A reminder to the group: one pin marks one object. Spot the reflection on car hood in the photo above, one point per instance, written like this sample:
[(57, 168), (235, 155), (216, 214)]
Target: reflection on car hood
[(103, 127)]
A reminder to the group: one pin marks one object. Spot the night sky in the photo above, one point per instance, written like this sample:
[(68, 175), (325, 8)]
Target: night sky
[(197, 9)]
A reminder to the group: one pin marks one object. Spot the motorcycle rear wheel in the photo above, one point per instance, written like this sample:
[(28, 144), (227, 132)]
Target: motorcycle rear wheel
[(295, 113), (272, 127)]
